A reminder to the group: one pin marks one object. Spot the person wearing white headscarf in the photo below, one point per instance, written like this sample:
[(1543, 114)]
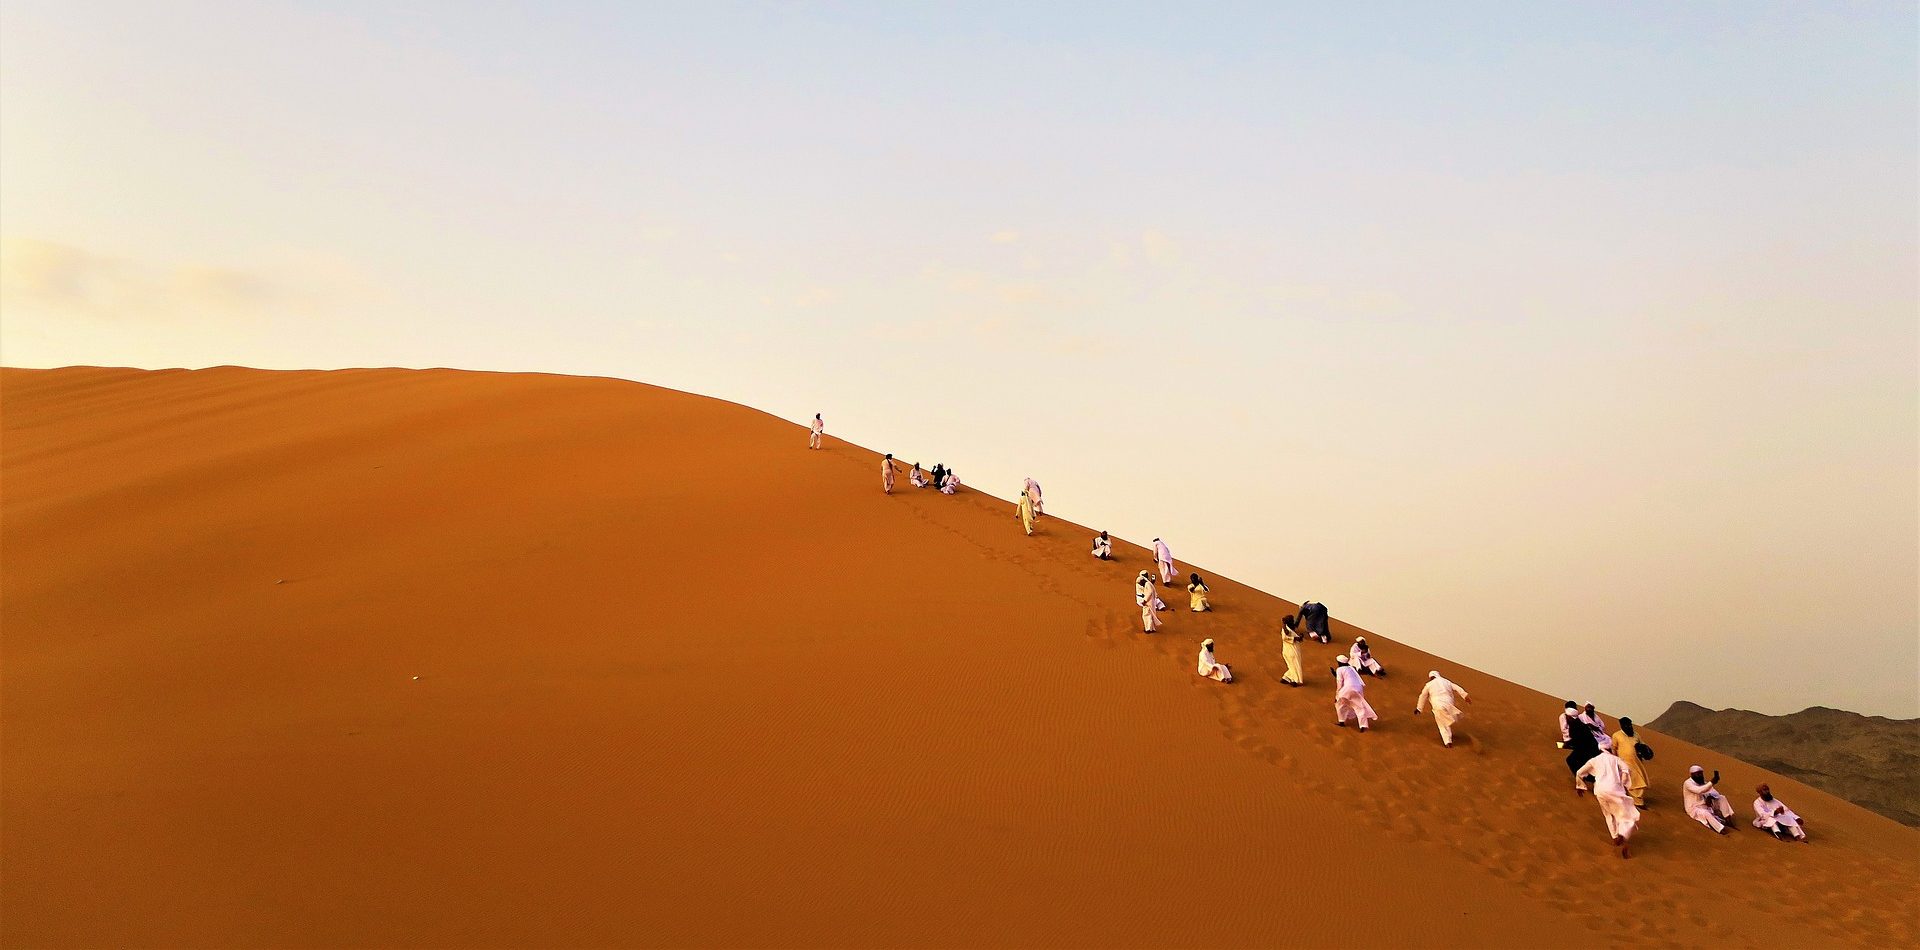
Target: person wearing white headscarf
[(1441, 692), (819, 429), (1033, 492), (1361, 658), (1350, 696), (1772, 814), (1163, 556), (1609, 777), (1103, 547), (1211, 668), (1149, 601), (1025, 512), (1598, 725), (1704, 803)]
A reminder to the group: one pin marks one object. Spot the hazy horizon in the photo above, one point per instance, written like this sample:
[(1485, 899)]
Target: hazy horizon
[(1577, 344)]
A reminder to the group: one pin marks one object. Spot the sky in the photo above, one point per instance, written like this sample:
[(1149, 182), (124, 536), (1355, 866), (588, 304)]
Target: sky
[(1574, 342)]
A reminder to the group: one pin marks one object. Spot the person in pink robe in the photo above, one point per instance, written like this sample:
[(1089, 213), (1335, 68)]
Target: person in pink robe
[(887, 467)]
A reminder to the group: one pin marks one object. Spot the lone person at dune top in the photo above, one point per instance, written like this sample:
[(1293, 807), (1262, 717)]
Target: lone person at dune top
[(1212, 668), (887, 467), (819, 429), (1704, 803), (1026, 512), (1609, 777), (1103, 547), (1033, 492), (1163, 556), (1350, 695), (1772, 814), (1440, 693)]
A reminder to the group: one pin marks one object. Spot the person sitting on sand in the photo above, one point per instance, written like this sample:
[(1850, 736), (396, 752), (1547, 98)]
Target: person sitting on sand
[(1149, 601), (950, 484), (1627, 745), (1362, 658), (1211, 668), (1577, 739), (1290, 637), (1163, 556), (1350, 695), (1704, 803), (1103, 547), (887, 467), (939, 475), (1024, 511), (916, 476), (1773, 815), (819, 430), (1609, 777), (1441, 693), (1033, 492), (1197, 595)]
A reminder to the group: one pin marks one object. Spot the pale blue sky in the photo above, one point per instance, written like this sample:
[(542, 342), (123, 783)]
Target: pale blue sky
[(1602, 317)]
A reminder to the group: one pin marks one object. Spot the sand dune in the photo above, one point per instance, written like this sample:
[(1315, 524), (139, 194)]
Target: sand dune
[(682, 682)]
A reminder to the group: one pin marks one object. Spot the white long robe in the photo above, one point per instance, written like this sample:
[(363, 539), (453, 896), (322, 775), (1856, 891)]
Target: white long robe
[(886, 475), (1163, 556), (1033, 492), (1705, 804), (1440, 693), (1767, 814), (1350, 697), (1213, 669), (813, 438), (1361, 659), (1610, 779), (1102, 547), (917, 478)]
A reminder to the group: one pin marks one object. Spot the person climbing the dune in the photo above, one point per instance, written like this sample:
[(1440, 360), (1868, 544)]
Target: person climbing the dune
[(1599, 726), (1440, 693), (887, 467), (1313, 616), (1704, 803), (819, 430), (1290, 651), (1773, 816), (1211, 668), (1361, 657), (1350, 696), (1627, 745), (1163, 556), (1149, 601), (1025, 512), (1609, 778), (1103, 547), (1197, 595), (1577, 738), (1033, 492)]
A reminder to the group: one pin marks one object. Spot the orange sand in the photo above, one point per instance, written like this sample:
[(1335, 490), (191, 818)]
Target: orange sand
[(684, 682)]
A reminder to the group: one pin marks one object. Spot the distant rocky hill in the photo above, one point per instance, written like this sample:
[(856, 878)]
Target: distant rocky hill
[(1871, 761)]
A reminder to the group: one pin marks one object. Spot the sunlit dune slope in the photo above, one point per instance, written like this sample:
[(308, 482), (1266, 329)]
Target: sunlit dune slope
[(440, 658)]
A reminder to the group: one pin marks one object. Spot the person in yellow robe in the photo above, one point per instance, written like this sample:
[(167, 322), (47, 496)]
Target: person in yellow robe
[(1026, 511), (1197, 595), (1290, 637), (1624, 741)]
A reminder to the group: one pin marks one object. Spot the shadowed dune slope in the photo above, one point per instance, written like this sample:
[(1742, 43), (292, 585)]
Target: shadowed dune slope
[(683, 682)]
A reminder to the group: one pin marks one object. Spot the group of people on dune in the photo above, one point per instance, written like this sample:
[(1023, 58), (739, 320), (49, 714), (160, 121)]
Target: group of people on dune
[(1610, 765), (1613, 767)]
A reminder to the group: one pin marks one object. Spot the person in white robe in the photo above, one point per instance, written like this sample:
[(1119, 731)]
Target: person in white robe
[(1772, 815), (1609, 776), (1163, 556), (916, 476), (950, 484), (1211, 668), (1149, 601), (1350, 696), (1033, 492), (887, 467), (1362, 658), (819, 429), (1103, 547), (1704, 803), (1441, 693)]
